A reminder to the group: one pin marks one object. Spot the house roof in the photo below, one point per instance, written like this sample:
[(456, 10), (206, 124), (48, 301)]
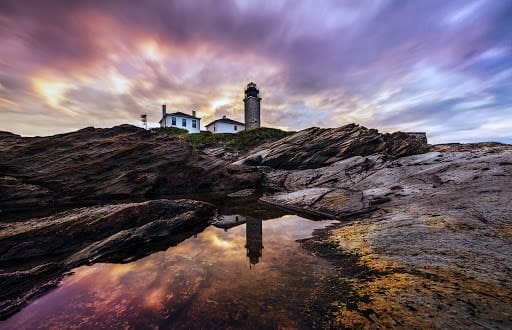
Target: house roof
[(180, 114), (227, 121)]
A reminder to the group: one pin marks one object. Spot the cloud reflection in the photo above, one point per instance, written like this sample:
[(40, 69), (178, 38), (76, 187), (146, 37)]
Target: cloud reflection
[(202, 282)]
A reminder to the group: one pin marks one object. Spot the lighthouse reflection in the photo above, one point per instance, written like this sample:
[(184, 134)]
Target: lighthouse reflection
[(254, 240), (253, 234)]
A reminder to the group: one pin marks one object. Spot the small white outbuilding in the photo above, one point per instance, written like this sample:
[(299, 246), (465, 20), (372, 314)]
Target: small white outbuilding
[(225, 125)]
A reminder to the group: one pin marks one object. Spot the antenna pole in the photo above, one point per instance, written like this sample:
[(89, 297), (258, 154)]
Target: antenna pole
[(144, 119)]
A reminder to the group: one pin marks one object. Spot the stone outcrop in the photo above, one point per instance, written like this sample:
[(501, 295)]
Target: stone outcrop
[(242, 193), (67, 231), (425, 241), (7, 139), (491, 147), (119, 163), (36, 254), (379, 181), (322, 202), (318, 147)]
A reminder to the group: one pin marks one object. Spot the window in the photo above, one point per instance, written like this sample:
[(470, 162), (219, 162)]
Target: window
[(183, 122), (194, 124), (236, 128), (173, 121)]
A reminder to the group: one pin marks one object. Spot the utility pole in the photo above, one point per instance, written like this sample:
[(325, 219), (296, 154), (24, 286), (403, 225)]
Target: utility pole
[(144, 118)]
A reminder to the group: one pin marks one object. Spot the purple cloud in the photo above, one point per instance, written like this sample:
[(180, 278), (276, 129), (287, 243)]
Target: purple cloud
[(443, 67)]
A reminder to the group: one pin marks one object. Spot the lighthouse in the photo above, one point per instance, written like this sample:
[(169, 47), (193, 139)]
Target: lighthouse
[(252, 106)]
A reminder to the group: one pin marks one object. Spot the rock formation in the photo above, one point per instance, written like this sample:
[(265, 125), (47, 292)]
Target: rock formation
[(35, 254), (318, 147), (120, 163), (426, 237)]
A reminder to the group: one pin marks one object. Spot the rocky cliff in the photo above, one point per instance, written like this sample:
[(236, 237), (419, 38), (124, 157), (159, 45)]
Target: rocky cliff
[(318, 147), (425, 239), (119, 163)]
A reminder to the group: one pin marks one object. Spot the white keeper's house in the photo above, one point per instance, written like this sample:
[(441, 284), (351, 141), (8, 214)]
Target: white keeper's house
[(192, 123), (180, 120), (225, 125)]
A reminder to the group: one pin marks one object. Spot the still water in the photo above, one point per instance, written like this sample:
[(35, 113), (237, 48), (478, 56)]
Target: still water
[(244, 273)]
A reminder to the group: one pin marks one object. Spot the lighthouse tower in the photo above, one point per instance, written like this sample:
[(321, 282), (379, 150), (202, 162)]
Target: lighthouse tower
[(252, 106)]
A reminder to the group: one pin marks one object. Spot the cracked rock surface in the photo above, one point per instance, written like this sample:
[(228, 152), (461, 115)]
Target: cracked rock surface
[(425, 239)]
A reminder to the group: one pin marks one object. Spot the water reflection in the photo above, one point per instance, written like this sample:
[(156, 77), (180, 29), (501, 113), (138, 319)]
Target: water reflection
[(229, 221), (202, 282), (254, 240), (253, 233)]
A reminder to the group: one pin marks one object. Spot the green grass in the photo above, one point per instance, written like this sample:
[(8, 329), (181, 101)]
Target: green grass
[(204, 139), (242, 140), (255, 137), (171, 130)]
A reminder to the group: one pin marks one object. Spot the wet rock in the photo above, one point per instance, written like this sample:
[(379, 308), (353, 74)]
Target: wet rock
[(318, 147), (110, 233), (427, 228), (68, 231), (429, 266), (325, 202), (253, 159), (427, 234), (481, 146), (20, 286), (242, 193), (222, 153), (118, 163), (128, 242), (434, 250), (382, 182)]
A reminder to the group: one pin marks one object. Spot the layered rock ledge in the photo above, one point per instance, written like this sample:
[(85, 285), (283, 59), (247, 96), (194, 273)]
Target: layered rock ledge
[(35, 254), (121, 163), (425, 239), (318, 147)]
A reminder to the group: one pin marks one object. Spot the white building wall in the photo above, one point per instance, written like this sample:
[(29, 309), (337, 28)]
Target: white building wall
[(188, 122), (221, 127)]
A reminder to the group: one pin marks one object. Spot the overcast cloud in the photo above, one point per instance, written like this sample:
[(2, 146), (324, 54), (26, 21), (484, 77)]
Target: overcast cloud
[(444, 67)]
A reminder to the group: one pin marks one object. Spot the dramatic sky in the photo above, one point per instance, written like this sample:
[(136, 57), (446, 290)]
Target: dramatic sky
[(444, 67)]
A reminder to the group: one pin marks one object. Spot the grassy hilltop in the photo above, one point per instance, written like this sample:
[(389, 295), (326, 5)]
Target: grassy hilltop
[(242, 140)]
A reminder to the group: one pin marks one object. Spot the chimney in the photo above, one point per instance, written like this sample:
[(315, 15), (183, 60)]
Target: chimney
[(193, 113), (224, 117), (164, 110)]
